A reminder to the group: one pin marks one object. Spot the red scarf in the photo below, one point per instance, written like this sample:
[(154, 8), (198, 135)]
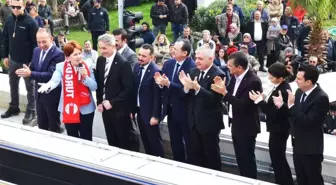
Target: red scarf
[(75, 94)]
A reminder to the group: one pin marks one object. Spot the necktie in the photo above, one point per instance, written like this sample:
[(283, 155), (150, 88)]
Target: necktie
[(106, 72), (201, 76), (303, 97), (177, 66), (41, 59), (139, 75)]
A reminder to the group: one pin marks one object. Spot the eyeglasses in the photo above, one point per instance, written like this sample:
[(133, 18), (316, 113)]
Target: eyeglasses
[(17, 7), (312, 61)]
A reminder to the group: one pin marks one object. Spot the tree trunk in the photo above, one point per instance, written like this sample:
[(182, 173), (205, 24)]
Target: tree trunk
[(53, 5)]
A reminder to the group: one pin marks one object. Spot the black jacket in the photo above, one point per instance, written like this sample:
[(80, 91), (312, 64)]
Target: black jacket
[(45, 12), (98, 19), (292, 26), (155, 13), (179, 14), (20, 38), (307, 120)]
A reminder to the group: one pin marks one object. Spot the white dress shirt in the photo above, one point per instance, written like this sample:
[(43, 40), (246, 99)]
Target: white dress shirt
[(258, 32), (142, 75), (239, 79)]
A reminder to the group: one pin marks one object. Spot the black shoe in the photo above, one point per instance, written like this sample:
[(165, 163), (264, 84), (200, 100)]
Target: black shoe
[(10, 112), (29, 117)]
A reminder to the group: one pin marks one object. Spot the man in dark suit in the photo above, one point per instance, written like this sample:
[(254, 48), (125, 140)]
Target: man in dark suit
[(115, 81), (120, 36), (44, 60), (243, 112), (174, 100), (147, 101), (307, 110), (257, 28), (205, 111)]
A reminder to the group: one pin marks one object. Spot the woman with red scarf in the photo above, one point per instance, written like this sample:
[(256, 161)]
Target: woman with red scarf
[(76, 103)]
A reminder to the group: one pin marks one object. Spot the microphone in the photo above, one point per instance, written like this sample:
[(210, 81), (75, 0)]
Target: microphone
[(80, 65)]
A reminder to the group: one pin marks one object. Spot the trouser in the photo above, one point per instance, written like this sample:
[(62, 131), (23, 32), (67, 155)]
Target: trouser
[(161, 28), (51, 25), (83, 129), (179, 134), (261, 46), (177, 30), (150, 136), (244, 147), (79, 15), (308, 169), (48, 117), (14, 80), (277, 148), (119, 131), (94, 37), (204, 149), (272, 58)]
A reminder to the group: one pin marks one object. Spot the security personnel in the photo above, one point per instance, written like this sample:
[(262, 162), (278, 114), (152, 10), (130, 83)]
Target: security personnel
[(98, 22)]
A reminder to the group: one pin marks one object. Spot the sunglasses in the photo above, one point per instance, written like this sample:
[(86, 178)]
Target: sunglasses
[(17, 7)]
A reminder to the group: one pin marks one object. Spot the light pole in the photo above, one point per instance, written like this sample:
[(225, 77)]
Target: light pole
[(120, 13)]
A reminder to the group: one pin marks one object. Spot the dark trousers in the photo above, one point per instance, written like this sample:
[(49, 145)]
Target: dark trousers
[(272, 58), (94, 36), (51, 25), (48, 117), (261, 47), (159, 28), (277, 148), (119, 131), (308, 169), (179, 134), (204, 149), (83, 129), (244, 147), (14, 80), (177, 30), (151, 137)]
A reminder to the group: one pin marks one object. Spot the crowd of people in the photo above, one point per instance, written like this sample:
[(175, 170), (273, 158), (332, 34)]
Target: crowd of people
[(191, 83)]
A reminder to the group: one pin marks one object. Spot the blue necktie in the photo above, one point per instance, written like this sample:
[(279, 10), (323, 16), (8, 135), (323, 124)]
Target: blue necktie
[(41, 59), (177, 66)]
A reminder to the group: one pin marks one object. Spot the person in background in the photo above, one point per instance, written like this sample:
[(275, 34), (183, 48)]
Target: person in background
[(277, 122), (187, 35), (169, 55), (253, 62), (45, 12), (307, 110), (273, 33), (179, 18), (236, 9), (146, 101), (85, 7), (120, 36), (98, 22), (161, 47), (159, 14), (284, 40), (252, 47), (263, 12), (331, 55), (60, 40), (29, 4), (18, 49), (225, 20), (206, 41), (89, 55), (5, 12), (74, 74), (292, 23), (234, 37), (147, 34), (45, 58), (70, 10), (33, 13), (221, 62), (275, 9)]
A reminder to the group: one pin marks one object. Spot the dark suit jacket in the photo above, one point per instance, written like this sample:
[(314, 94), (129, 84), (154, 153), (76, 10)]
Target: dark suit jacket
[(118, 85), (130, 56), (205, 110), (250, 30), (307, 120), (44, 74), (149, 93), (174, 94), (277, 119), (245, 121)]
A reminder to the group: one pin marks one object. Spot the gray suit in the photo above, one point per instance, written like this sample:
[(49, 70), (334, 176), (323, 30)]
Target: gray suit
[(130, 56)]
